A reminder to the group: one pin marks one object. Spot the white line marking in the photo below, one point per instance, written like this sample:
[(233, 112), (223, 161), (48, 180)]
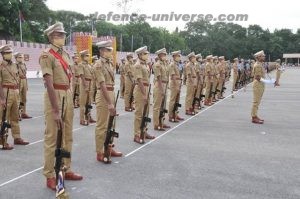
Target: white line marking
[(21, 176), (127, 155), (207, 108), (36, 142)]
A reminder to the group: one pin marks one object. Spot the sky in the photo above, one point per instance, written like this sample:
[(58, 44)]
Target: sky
[(267, 14)]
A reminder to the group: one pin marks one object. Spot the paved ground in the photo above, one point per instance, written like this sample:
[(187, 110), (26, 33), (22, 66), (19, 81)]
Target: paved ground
[(215, 154)]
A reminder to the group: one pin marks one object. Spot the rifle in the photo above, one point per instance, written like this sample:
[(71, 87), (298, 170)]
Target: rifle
[(110, 135), (60, 153), (131, 93), (4, 124), (196, 98), (177, 104), (21, 105), (88, 107), (163, 109), (75, 96), (145, 118)]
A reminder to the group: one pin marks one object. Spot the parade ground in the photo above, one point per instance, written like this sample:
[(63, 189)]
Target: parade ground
[(216, 154)]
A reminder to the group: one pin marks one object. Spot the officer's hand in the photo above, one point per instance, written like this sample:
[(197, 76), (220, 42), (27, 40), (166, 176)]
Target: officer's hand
[(57, 118), (2, 102), (145, 99), (112, 110)]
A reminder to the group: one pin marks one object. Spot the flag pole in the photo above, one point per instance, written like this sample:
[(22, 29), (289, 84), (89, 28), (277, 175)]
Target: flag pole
[(20, 21)]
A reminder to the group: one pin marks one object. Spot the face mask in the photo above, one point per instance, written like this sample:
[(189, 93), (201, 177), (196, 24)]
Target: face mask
[(7, 56), (21, 60), (107, 54), (145, 57), (60, 42), (163, 57), (177, 58)]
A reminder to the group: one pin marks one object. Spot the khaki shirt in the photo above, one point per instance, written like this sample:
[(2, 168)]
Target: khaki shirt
[(122, 69), (258, 70), (104, 72), (235, 69), (208, 72), (221, 70), (142, 71), (86, 70), (160, 70), (191, 70), (22, 69), (52, 66), (174, 71), (9, 73), (128, 69), (76, 69)]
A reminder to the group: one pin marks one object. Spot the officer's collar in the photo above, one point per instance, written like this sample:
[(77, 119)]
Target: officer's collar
[(56, 48), (105, 60), (142, 61)]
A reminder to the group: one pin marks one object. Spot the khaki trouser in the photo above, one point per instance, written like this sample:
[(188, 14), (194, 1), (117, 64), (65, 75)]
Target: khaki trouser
[(278, 73), (83, 97), (207, 89), (23, 93), (235, 76), (139, 107), (220, 87), (75, 86), (258, 91), (157, 100), (128, 88), (51, 131), (122, 85), (190, 91), (214, 86), (102, 119), (12, 111), (173, 94), (199, 89)]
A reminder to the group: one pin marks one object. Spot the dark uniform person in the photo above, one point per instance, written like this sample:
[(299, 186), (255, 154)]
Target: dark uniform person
[(9, 84), (105, 97), (54, 62)]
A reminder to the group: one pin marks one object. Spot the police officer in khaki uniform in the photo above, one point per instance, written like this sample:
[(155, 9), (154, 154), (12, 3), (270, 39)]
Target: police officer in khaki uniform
[(9, 81), (105, 97), (200, 80), (76, 80), (129, 82), (215, 79), (175, 85), (235, 73), (122, 78), (160, 69), (278, 72), (23, 86), (57, 74), (208, 80), (258, 85), (221, 68), (142, 78), (94, 88), (191, 84), (86, 94)]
